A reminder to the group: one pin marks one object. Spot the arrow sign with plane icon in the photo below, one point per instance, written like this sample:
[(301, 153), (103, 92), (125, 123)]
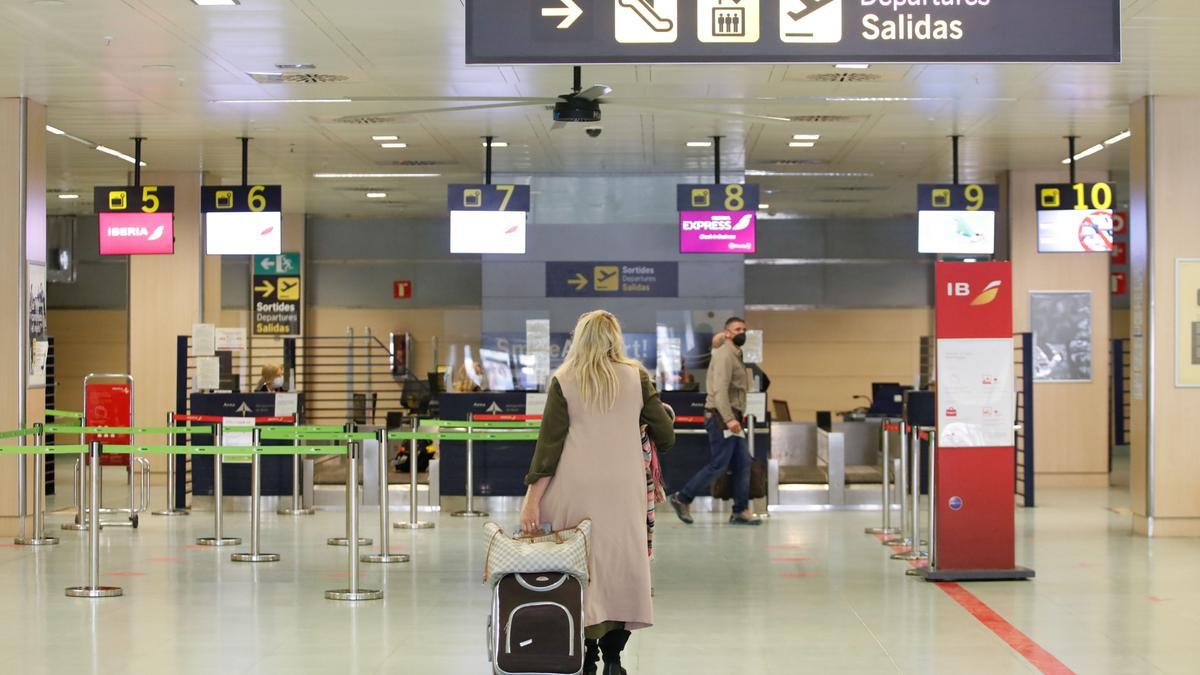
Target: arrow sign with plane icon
[(265, 288), (579, 282), (570, 11)]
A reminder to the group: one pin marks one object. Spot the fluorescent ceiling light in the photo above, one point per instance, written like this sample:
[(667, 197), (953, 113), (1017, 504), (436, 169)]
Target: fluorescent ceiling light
[(497, 144), (852, 66), (376, 195), (1118, 138), (385, 138), (699, 144), (56, 131), (811, 174), (295, 66), (806, 137), (117, 153), (394, 145), (376, 175), (880, 99), (1086, 153), (802, 144), (217, 3), (283, 100), (68, 196), (763, 207)]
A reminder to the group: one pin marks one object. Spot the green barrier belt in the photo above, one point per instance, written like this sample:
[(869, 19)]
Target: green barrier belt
[(290, 429), (462, 436), (226, 450), (68, 429), (43, 449), (20, 433), (286, 434), (65, 414), (533, 424)]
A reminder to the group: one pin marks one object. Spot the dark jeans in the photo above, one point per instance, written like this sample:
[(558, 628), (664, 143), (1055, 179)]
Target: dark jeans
[(727, 453)]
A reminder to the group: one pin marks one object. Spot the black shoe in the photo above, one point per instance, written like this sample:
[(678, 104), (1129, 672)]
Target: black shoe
[(591, 657), (614, 669), (684, 511), (744, 519), (612, 644)]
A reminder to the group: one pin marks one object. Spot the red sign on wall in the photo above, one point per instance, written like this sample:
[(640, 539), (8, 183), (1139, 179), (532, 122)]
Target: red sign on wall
[(974, 300), (1120, 283), (108, 406), (402, 290)]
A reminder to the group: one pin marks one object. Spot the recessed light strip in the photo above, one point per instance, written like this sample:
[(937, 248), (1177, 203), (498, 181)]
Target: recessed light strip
[(376, 175), (1100, 146), (282, 100), (95, 146)]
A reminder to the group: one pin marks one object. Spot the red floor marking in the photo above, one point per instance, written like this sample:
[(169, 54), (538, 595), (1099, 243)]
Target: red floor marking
[(165, 559), (8, 545), (124, 574), (880, 537), (1041, 659), (1155, 598), (1083, 565), (801, 574), (790, 560)]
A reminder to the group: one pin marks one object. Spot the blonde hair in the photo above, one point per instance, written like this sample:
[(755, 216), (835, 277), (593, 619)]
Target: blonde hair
[(596, 346), (268, 374)]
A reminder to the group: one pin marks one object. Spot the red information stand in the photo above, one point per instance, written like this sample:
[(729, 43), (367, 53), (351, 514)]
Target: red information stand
[(109, 405), (975, 440)]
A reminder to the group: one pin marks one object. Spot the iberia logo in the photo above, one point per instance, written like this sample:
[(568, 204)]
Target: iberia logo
[(952, 412), (989, 294)]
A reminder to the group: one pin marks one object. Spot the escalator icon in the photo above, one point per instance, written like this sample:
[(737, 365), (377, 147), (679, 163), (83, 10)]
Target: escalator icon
[(646, 21)]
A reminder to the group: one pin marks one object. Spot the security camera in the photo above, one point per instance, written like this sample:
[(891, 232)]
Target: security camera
[(594, 132)]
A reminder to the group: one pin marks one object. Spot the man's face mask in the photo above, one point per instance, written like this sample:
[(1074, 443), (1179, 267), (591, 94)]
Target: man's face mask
[(739, 339)]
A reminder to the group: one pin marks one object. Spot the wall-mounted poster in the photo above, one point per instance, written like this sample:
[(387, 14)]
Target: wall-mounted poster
[(1187, 322), (1062, 335), (35, 312)]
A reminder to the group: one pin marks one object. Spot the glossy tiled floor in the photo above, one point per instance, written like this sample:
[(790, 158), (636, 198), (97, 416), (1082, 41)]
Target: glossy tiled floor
[(808, 593)]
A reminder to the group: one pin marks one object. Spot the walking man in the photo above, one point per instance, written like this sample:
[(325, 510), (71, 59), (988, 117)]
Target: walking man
[(727, 384)]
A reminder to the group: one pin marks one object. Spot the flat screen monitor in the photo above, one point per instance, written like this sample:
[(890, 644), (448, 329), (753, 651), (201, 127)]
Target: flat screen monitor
[(481, 232), (718, 232), (244, 233), (497, 369), (1085, 231), (137, 233), (956, 232)]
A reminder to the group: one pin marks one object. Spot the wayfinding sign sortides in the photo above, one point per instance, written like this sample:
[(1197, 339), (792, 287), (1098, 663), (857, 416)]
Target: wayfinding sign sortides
[(803, 31)]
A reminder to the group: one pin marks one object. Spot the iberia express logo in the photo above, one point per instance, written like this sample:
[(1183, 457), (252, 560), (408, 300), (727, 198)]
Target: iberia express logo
[(989, 294)]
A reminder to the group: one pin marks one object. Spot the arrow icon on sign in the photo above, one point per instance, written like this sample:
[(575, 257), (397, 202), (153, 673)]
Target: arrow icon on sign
[(580, 282), (570, 12), (266, 288)]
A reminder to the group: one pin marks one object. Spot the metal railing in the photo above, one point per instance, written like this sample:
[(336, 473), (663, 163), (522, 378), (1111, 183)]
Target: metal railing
[(1023, 417)]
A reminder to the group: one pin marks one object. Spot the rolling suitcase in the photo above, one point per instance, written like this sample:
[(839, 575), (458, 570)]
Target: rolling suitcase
[(536, 625)]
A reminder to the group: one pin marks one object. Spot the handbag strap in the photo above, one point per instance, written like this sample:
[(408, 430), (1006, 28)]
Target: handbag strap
[(487, 557)]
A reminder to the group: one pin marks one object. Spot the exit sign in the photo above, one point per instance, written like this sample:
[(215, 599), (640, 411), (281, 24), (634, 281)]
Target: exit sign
[(402, 290)]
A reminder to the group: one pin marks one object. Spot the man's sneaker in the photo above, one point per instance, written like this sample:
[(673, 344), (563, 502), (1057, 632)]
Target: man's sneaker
[(684, 511), (744, 519)]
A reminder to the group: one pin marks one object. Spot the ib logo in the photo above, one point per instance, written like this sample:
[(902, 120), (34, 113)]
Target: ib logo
[(962, 289), (956, 503)]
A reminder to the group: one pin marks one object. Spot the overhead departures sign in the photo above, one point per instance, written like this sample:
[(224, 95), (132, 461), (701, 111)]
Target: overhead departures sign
[(802, 31), (488, 219), (242, 219), (719, 218), (275, 286)]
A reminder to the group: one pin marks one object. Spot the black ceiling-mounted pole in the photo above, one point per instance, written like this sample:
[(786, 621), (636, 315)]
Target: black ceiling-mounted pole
[(245, 159), (137, 160), (717, 159), (1071, 156), (578, 86), (954, 145), (487, 159)]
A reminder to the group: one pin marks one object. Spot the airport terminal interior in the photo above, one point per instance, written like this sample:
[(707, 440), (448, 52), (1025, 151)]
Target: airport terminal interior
[(287, 282)]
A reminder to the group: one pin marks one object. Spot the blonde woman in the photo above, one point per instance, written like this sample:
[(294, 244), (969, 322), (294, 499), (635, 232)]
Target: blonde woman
[(589, 464)]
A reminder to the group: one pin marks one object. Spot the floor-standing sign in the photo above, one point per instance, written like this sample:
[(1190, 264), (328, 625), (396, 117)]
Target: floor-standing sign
[(976, 411)]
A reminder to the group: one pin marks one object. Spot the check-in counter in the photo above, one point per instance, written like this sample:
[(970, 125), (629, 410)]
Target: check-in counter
[(833, 461), (276, 477), (500, 466)]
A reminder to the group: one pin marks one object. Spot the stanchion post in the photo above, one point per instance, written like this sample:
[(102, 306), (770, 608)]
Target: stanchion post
[(39, 537), (297, 508), (385, 555), (886, 497), (22, 478), (351, 495), (255, 555), (93, 589), (470, 511), (218, 538), (353, 592), (902, 535), (933, 499), (751, 433), (80, 523), (914, 500), (172, 498), (413, 523)]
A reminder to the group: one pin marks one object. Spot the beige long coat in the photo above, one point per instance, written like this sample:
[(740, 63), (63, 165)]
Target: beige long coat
[(601, 475)]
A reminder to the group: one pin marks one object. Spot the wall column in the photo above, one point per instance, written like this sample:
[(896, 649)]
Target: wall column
[(1165, 467), (22, 243), (164, 301), (1070, 417)]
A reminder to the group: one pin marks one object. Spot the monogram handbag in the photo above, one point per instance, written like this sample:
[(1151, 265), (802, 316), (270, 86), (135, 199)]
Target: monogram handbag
[(562, 551)]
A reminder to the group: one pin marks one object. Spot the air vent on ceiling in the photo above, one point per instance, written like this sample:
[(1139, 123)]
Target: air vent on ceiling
[(411, 162), (297, 78), (797, 162), (843, 77), (826, 119), (365, 119)]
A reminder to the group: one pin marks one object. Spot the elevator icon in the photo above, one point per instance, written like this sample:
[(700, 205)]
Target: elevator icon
[(727, 21)]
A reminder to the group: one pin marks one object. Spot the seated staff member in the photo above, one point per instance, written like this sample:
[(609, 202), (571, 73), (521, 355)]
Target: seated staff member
[(271, 380), (589, 463), (727, 385)]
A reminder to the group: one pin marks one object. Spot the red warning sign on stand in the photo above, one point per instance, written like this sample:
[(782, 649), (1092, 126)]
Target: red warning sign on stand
[(108, 405)]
